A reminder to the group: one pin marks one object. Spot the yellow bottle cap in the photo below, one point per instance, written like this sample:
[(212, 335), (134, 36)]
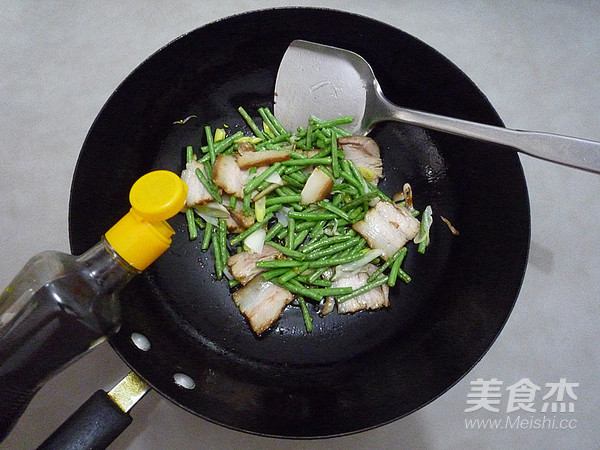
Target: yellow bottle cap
[(142, 235)]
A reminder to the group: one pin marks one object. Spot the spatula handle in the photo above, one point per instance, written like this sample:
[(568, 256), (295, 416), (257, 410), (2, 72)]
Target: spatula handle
[(565, 150)]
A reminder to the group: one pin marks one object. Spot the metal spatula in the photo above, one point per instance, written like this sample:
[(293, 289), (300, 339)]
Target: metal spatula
[(331, 82)]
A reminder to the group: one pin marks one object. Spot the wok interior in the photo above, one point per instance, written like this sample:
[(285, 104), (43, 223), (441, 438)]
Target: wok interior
[(353, 372)]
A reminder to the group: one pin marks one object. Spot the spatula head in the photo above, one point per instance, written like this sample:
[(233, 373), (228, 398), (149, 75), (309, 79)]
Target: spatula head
[(324, 81)]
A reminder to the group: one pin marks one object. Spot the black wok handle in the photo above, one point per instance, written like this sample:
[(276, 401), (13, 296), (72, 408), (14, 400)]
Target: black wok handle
[(101, 419), (93, 426)]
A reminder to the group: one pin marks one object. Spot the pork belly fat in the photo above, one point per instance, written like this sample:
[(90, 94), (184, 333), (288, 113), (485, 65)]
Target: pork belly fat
[(261, 302), (387, 227), (197, 193)]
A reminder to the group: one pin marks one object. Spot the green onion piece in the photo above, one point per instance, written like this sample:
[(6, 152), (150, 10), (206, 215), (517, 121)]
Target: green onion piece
[(423, 237), (192, 229)]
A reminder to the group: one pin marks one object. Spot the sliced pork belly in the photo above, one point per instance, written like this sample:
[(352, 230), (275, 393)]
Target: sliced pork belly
[(317, 187), (373, 299), (387, 227), (261, 302), (363, 152), (228, 175), (243, 265), (262, 158), (197, 193)]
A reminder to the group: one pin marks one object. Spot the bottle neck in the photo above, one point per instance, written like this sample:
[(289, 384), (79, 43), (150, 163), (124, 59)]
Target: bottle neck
[(106, 267)]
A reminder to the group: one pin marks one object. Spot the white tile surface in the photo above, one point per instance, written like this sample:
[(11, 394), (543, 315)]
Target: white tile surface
[(537, 61)]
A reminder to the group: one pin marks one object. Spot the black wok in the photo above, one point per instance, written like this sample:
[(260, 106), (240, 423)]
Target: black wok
[(353, 372)]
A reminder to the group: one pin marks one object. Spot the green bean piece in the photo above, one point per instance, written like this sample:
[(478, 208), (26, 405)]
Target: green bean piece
[(207, 238), (251, 123), (398, 255), (288, 251), (191, 223), (306, 161), (361, 290), (299, 238), (294, 272), (209, 143), (274, 273), (244, 234), (274, 142), (305, 314), (200, 224), (210, 187), (314, 277), (267, 120), (218, 256), (377, 192), (223, 240), (273, 231), (283, 199), (274, 121), (311, 216), (326, 204), (326, 241), (335, 163), (317, 282), (189, 153), (317, 231), (334, 261), (233, 283), (278, 263), (334, 249), (258, 179), (394, 272), (221, 146), (291, 230)]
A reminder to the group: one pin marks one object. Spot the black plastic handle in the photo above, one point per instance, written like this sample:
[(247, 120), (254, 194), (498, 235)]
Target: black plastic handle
[(94, 426)]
